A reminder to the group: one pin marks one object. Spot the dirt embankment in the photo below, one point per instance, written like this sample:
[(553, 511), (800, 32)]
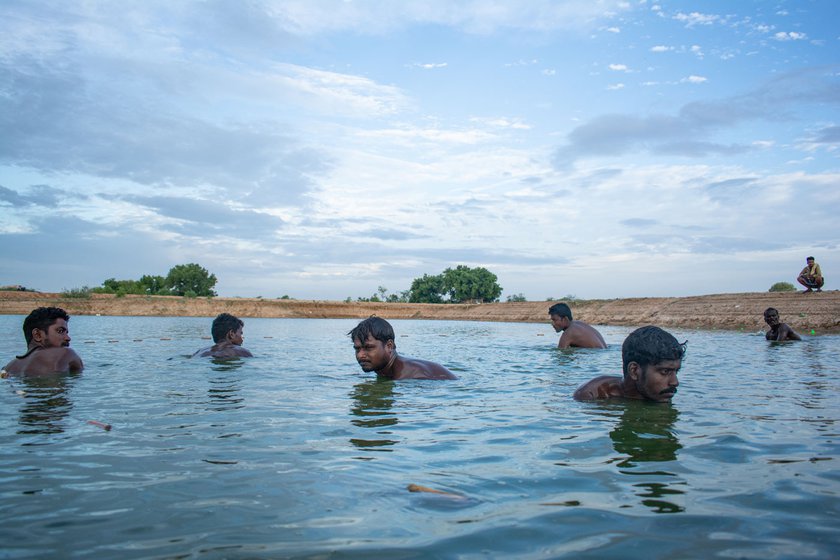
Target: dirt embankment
[(804, 312)]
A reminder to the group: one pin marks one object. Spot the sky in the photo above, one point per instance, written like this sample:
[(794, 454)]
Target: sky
[(324, 149)]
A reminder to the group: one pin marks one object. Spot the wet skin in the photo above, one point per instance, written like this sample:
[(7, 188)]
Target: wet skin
[(382, 357), (656, 382), (230, 347), (48, 352)]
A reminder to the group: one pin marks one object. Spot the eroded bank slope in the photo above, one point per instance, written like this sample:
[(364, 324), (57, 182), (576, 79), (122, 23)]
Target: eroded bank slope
[(804, 312)]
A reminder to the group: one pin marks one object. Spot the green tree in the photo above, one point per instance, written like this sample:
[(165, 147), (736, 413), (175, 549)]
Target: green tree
[(152, 285), (120, 287), (190, 279), (428, 289), (782, 287), (464, 284), (517, 297)]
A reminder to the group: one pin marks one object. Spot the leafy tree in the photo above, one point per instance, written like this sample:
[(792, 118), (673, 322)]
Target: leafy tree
[(120, 287), (782, 287), (152, 285), (517, 297), (428, 289), (457, 285), (464, 284), (190, 280)]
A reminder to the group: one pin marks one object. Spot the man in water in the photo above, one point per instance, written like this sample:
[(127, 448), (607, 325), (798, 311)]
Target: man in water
[(575, 333), (47, 345), (651, 358), (228, 338), (811, 276), (778, 330), (373, 341)]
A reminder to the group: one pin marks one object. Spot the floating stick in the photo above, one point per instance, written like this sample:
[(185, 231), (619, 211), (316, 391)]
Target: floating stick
[(103, 425), (418, 488)]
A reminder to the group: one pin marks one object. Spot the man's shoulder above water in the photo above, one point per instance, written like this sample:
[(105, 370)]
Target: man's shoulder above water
[(581, 335), (601, 387), (42, 361), (414, 368), (223, 351)]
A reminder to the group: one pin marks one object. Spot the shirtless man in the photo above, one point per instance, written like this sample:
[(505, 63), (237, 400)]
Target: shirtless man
[(47, 345), (373, 341), (575, 333), (811, 276), (651, 358), (778, 330), (228, 338)]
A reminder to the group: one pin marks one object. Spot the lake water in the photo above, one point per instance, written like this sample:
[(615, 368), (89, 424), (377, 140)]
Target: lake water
[(296, 453)]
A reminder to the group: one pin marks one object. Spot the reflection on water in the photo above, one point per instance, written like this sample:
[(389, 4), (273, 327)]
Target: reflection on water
[(645, 434), (250, 458), (372, 403), (46, 403)]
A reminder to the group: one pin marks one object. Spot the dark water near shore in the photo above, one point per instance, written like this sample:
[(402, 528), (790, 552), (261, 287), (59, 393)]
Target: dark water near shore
[(298, 454)]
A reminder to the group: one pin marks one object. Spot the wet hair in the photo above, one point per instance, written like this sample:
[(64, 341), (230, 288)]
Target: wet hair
[(560, 309), (649, 346), (770, 309), (378, 328), (809, 259), (42, 318), (223, 324)]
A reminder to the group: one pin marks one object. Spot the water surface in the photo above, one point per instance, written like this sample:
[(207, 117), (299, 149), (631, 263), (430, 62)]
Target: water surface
[(296, 453)]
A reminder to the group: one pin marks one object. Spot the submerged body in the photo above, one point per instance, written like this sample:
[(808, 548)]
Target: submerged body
[(373, 343), (48, 345), (228, 336), (651, 360), (576, 334), (778, 331)]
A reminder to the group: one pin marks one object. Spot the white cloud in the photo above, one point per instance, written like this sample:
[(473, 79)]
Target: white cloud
[(694, 79), (696, 18), (549, 72), (661, 48), (791, 36), (614, 87), (614, 29), (619, 67), (429, 65), (307, 17)]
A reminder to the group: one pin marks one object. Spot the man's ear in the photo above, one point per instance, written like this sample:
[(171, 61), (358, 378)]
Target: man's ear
[(634, 371), (229, 336), (391, 345), (38, 335)]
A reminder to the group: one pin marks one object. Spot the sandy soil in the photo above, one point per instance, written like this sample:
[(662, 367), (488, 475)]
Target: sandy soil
[(819, 312)]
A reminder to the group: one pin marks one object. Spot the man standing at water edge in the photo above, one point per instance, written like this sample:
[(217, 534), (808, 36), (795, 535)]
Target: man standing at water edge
[(228, 338), (373, 341), (811, 276), (778, 330), (651, 358), (48, 345), (575, 333)]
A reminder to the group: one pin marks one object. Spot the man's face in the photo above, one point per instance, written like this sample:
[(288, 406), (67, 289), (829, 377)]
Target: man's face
[(656, 382), (559, 322), (55, 336), (236, 337), (810, 262), (771, 318), (373, 354)]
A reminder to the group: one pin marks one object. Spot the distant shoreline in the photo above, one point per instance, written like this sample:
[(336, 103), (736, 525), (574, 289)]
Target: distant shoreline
[(804, 312)]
